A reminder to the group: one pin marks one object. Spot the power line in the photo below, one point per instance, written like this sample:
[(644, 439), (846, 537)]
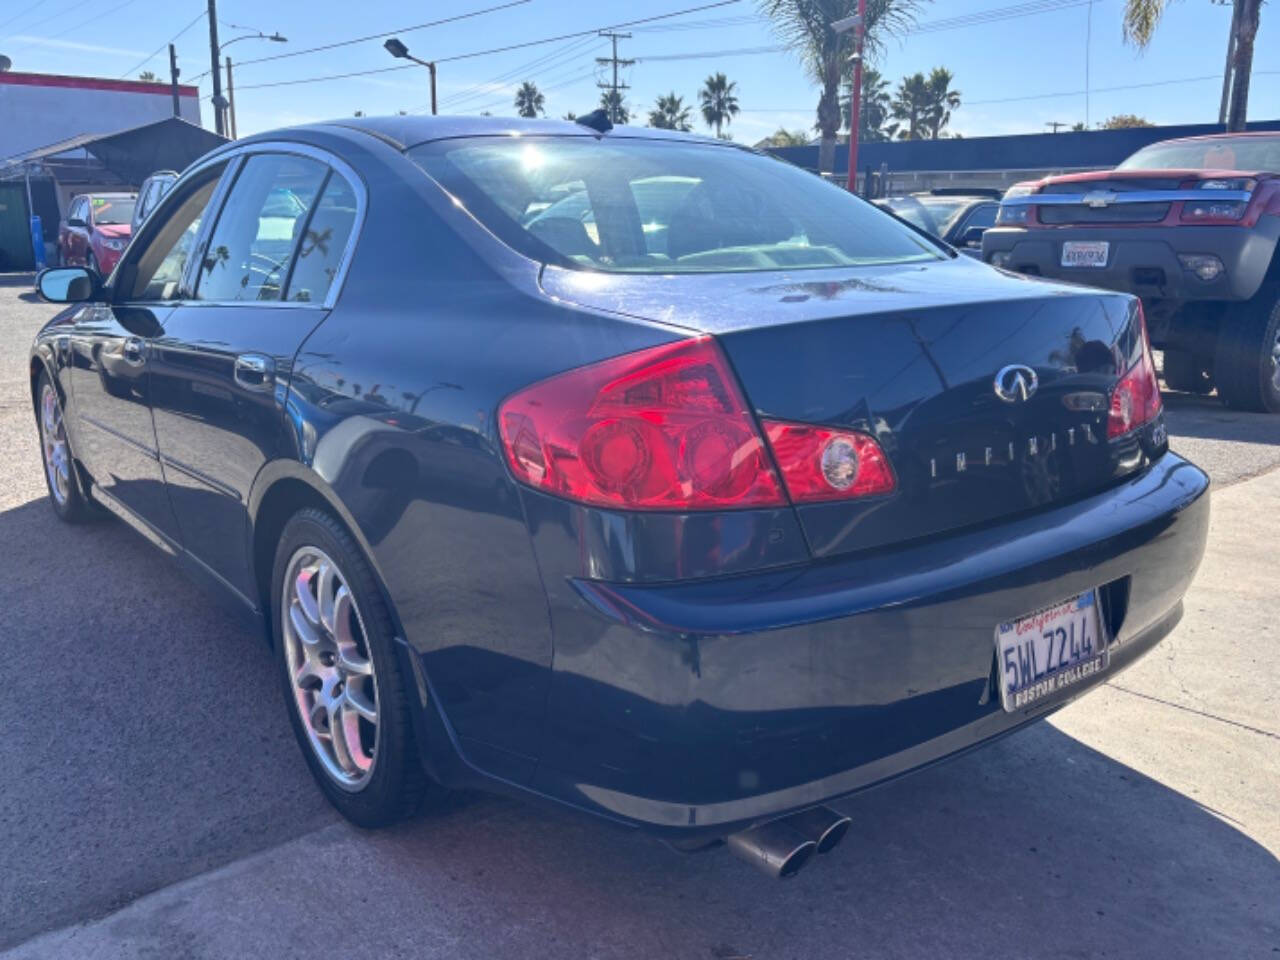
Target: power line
[(379, 35), (32, 26), (553, 60), (160, 49), (492, 50)]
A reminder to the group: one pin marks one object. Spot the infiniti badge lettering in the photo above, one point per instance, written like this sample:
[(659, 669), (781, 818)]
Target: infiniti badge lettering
[(1016, 382)]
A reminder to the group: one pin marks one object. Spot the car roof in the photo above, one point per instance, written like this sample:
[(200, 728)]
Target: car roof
[(404, 132)]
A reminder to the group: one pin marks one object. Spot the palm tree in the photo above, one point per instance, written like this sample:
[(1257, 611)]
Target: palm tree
[(942, 100), (874, 113), (805, 25), (612, 101), (148, 76), (529, 100), (1142, 17), (719, 101), (670, 113), (912, 104)]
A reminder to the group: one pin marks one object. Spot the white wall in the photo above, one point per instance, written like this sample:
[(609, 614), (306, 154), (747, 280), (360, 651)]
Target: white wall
[(36, 110)]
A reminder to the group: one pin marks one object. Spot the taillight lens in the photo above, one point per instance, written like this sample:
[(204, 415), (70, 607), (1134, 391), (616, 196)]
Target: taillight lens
[(1136, 399), (661, 429), (821, 463)]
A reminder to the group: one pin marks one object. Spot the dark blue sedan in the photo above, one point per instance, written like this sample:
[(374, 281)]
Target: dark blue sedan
[(620, 468)]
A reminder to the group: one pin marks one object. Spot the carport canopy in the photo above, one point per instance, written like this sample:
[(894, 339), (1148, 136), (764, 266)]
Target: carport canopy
[(133, 155)]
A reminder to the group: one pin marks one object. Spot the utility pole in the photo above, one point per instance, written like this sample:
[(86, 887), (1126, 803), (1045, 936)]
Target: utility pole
[(1055, 125), (857, 23), (615, 99), (215, 68), (231, 100), (173, 79), (1229, 69)]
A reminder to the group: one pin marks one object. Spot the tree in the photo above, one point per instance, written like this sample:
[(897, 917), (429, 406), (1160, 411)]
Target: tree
[(571, 116), (874, 114), (1078, 127), (1142, 17), (719, 101), (912, 104), (529, 100), (670, 113), (1123, 121), (942, 100), (805, 25), (613, 102), (148, 76), (785, 138)]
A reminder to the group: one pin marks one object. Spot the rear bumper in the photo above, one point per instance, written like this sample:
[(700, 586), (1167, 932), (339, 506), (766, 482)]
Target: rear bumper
[(1144, 260), (699, 707)]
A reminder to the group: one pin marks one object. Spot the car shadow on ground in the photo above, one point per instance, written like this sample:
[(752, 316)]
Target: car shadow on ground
[(149, 743), (1190, 415), (17, 279)]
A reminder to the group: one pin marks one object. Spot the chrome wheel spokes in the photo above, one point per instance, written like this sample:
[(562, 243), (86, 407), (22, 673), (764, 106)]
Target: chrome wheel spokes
[(1275, 363), (330, 666), (53, 437)]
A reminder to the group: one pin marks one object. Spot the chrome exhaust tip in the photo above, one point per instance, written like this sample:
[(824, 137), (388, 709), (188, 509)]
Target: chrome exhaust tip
[(774, 847), (824, 826)]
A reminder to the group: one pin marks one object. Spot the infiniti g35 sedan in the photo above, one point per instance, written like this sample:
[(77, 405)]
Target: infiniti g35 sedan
[(624, 469)]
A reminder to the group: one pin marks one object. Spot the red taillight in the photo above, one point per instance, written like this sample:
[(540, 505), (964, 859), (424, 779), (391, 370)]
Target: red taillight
[(821, 463), (662, 429), (1136, 399)]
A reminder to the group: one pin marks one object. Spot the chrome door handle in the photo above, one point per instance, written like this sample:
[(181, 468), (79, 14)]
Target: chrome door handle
[(255, 372), (133, 351)]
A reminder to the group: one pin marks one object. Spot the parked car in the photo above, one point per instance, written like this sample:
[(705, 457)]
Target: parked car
[(1192, 227), (693, 537), (96, 230), (958, 216), (149, 194)]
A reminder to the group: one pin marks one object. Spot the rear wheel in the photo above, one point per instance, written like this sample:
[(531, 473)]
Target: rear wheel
[(1188, 372), (1247, 368), (65, 495), (347, 697)]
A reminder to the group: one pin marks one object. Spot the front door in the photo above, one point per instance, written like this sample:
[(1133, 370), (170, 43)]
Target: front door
[(222, 365), (111, 380)]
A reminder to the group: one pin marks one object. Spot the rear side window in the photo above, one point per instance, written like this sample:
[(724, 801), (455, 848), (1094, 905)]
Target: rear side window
[(323, 242), (266, 210), (651, 206)]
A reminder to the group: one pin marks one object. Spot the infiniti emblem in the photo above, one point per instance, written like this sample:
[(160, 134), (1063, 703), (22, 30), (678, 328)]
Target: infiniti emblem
[(1016, 382)]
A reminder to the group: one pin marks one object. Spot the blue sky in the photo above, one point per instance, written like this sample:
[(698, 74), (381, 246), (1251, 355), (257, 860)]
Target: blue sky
[(996, 64)]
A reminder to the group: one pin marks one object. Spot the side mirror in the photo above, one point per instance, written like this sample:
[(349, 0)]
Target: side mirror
[(75, 222), (68, 284), (973, 237)]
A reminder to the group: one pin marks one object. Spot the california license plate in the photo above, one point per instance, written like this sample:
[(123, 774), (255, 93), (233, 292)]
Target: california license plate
[(1086, 253), (1044, 652)]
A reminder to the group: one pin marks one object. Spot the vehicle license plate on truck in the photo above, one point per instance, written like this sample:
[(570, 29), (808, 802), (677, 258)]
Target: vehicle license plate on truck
[(1042, 653), (1085, 253)]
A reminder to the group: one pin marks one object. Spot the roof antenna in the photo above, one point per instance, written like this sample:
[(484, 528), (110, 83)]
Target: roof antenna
[(597, 120)]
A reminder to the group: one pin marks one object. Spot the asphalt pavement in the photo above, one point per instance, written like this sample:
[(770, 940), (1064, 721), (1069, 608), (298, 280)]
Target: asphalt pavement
[(156, 805)]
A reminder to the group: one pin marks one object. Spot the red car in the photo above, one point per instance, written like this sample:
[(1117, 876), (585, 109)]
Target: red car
[(96, 230)]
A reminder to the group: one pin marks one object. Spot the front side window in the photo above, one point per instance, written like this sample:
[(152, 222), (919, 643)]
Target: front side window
[(648, 206), (161, 265), (247, 257)]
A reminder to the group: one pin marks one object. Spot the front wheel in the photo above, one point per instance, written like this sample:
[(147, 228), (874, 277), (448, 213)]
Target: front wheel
[(1247, 368), (347, 697)]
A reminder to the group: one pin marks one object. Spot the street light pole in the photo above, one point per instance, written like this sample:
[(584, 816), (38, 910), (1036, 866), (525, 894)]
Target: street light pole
[(216, 70), (231, 100), (398, 50), (855, 98)]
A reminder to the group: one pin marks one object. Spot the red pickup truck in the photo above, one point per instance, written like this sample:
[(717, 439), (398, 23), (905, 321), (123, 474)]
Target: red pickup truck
[(1192, 227)]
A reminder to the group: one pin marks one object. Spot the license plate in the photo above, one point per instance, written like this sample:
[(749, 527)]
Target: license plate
[(1044, 652), (1086, 253)]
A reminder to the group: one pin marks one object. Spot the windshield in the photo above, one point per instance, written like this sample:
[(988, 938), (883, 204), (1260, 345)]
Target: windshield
[(931, 214), (112, 211), (1216, 153), (644, 206)]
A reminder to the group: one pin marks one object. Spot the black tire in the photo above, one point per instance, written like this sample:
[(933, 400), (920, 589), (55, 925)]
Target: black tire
[(394, 787), (1247, 369), (68, 499), (1185, 371)]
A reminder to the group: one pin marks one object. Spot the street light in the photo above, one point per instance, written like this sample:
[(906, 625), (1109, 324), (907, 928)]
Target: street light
[(401, 52), (856, 22), (228, 102)]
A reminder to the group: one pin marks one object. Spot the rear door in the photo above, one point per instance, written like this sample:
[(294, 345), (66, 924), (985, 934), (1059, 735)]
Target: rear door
[(266, 277)]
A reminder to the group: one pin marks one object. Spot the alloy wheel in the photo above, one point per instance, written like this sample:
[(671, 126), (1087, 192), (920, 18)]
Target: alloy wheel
[(53, 435), (330, 667), (1275, 363)]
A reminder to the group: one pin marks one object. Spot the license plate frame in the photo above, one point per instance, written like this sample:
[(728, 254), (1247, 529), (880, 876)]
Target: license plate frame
[(1086, 254), (1069, 657)]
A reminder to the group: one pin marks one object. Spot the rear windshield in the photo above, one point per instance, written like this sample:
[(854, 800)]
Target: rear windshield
[(1227, 153), (108, 211), (644, 206)]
